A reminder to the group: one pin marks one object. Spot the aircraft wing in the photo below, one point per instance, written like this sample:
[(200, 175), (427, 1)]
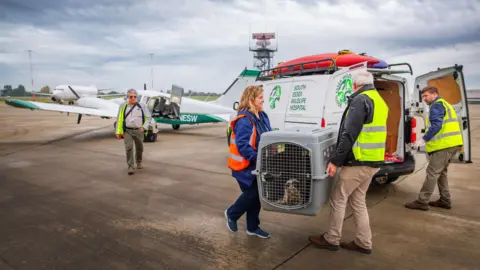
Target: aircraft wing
[(112, 95), (32, 105), (42, 94)]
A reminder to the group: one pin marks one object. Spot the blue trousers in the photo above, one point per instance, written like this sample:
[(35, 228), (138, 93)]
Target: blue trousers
[(248, 202)]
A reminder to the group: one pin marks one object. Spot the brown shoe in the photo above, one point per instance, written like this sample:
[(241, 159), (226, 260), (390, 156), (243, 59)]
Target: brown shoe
[(320, 242), (139, 166), (417, 205), (440, 203), (353, 246)]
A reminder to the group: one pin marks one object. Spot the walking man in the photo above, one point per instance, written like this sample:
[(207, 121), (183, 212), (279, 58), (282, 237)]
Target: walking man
[(133, 120), (360, 152), (442, 139)]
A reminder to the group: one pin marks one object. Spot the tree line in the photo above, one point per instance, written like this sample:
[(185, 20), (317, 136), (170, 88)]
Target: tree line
[(201, 94), (19, 91)]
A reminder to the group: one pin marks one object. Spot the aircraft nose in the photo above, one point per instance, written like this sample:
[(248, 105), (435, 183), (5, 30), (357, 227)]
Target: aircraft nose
[(55, 95)]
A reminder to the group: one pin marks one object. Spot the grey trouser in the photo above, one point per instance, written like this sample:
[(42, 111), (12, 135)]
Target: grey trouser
[(351, 188), (437, 174), (131, 136)]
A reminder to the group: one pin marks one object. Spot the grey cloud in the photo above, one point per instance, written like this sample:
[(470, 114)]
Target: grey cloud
[(419, 41), (93, 22), (101, 34), (51, 14)]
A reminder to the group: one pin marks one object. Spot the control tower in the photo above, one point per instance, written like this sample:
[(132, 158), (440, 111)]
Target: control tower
[(263, 46)]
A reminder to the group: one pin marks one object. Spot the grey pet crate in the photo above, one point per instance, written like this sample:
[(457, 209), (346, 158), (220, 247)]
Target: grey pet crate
[(291, 168)]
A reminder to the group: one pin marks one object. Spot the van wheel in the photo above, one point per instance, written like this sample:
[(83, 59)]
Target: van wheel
[(382, 180), (392, 179), (175, 126)]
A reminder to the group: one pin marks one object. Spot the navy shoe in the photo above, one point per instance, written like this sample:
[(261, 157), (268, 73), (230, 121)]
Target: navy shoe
[(231, 225), (259, 232)]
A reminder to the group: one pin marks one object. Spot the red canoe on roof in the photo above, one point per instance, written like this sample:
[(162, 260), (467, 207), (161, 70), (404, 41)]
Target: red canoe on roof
[(342, 58)]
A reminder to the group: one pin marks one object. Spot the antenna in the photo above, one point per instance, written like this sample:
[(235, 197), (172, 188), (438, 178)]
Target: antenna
[(151, 72), (264, 46), (31, 73)]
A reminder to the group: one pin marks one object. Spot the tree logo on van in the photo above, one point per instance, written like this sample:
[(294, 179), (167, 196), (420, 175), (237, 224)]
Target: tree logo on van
[(275, 96), (344, 89)]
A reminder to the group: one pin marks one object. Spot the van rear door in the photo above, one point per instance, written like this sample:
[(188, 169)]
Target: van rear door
[(451, 86), (276, 94)]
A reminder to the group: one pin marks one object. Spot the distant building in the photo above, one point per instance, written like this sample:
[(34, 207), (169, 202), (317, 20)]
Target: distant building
[(473, 96)]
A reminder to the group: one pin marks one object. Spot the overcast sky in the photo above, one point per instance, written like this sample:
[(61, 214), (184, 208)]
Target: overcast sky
[(203, 45)]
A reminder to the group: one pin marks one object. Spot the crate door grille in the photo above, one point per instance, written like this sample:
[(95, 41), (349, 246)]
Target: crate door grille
[(286, 175)]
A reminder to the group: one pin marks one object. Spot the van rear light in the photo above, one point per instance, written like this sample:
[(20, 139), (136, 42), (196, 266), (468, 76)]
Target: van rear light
[(323, 124), (413, 135)]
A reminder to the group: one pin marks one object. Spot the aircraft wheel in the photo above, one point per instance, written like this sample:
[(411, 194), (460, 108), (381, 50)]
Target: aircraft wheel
[(175, 126)]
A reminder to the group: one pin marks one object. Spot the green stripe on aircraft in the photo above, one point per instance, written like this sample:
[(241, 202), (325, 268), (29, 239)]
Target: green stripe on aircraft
[(21, 104), (186, 119), (249, 73)]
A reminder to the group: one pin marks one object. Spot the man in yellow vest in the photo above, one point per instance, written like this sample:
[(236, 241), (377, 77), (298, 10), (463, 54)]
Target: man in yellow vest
[(360, 152), (442, 139), (133, 120)]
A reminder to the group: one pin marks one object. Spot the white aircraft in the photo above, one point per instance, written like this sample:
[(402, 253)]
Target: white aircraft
[(173, 109), (70, 93)]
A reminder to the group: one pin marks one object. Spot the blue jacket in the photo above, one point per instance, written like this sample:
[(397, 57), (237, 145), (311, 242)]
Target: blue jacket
[(243, 131), (436, 114)]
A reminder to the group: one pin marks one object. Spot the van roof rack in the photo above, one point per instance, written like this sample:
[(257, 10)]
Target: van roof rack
[(266, 74), (381, 71)]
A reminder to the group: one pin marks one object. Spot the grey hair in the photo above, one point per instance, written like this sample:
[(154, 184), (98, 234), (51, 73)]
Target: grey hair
[(132, 91), (362, 77)]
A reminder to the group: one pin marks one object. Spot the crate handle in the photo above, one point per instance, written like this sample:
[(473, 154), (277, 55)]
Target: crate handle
[(322, 177)]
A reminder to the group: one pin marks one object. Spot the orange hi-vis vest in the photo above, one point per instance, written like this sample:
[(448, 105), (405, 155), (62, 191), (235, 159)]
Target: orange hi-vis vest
[(235, 161)]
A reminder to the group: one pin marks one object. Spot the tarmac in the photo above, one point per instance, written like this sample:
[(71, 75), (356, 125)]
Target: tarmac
[(66, 202)]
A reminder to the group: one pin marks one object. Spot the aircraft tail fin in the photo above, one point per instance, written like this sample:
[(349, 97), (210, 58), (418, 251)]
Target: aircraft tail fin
[(234, 91)]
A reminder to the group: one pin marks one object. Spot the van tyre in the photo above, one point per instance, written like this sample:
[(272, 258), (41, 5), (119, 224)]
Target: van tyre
[(392, 179), (175, 126)]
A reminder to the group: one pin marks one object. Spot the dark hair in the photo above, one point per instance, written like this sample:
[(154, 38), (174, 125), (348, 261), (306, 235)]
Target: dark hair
[(431, 89)]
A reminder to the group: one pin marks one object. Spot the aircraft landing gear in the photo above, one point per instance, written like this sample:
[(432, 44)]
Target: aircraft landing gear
[(175, 126)]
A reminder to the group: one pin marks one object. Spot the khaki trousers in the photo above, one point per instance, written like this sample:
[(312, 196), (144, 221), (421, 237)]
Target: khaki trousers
[(131, 137), (351, 187), (437, 174)]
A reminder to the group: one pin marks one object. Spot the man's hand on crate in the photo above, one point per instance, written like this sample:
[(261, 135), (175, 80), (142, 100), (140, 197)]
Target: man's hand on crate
[(331, 169)]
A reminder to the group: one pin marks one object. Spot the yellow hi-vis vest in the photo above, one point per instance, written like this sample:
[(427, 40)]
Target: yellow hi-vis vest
[(370, 144), (121, 119), (450, 135)]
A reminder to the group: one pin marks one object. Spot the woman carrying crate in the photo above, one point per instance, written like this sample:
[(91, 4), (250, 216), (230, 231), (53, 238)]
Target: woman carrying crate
[(245, 131)]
